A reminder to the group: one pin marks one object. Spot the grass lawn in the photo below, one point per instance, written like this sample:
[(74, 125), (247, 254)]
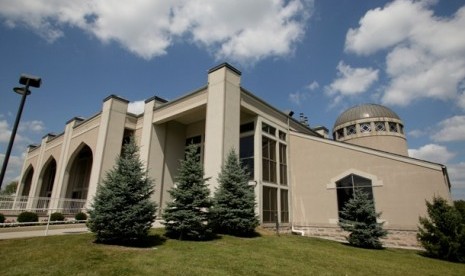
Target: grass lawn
[(264, 255)]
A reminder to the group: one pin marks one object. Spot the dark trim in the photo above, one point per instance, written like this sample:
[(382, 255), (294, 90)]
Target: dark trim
[(156, 98), (80, 119), (49, 135), (227, 65), (116, 98)]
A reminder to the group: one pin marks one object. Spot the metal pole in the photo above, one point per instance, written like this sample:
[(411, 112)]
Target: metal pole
[(13, 133)]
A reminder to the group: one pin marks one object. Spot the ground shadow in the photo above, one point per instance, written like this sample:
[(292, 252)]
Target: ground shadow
[(150, 241)]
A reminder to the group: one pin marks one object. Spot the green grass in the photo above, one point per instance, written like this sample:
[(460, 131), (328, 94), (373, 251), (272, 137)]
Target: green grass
[(264, 255)]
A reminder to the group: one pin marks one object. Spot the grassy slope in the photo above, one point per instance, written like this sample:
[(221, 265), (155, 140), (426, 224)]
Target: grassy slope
[(265, 255)]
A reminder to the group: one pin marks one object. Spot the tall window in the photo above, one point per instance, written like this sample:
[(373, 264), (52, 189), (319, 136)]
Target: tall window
[(284, 206), (282, 164), (269, 159), (270, 204), (246, 154), (346, 187)]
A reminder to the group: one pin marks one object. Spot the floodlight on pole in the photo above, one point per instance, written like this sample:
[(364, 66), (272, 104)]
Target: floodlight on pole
[(27, 81)]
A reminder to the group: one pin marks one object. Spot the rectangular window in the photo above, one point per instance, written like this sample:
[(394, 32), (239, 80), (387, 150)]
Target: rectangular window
[(269, 159), (270, 204), (247, 127), (282, 135), (284, 206), (282, 164), (246, 154), (268, 129)]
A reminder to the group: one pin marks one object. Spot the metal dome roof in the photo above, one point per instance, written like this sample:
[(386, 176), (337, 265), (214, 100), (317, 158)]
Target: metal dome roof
[(365, 111)]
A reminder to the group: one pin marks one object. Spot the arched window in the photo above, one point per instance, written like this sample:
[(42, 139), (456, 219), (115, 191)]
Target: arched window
[(79, 174), (345, 189)]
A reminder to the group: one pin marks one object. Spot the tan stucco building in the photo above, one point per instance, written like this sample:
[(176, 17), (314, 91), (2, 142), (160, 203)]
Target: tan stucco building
[(300, 176)]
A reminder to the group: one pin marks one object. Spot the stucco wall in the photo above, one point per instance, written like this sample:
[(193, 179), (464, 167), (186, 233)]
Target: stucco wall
[(401, 185)]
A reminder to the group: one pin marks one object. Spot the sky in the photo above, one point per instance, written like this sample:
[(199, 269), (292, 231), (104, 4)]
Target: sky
[(316, 57)]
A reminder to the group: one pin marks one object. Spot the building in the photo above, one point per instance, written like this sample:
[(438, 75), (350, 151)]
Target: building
[(300, 176)]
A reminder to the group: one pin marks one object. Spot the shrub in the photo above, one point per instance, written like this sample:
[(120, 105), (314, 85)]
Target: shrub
[(359, 218), (442, 233), (28, 217), (80, 216), (123, 211), (187, 215), (2, 218), (57, 216), (233, 209)]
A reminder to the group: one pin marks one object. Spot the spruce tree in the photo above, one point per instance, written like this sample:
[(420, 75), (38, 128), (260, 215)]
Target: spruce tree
[(359, 218), (233, 211), (187, 215), (122, 211), (443, 233)]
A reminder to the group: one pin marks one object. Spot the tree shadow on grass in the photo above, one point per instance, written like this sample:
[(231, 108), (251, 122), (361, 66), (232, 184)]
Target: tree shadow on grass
[(150, 241)]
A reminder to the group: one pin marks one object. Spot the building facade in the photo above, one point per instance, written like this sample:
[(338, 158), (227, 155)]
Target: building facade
[(301, 178)]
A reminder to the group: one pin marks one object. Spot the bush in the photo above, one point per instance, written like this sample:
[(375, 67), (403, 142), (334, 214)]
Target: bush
[(187, 215), (233, 209), (57, 216), (123, 211), (442, 234), (359, 218), (80, 216), (28, 217), (2, 218)]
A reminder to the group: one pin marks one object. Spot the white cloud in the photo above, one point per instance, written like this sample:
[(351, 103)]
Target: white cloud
[(426, 53), (313, 86), (298, 97), (432, 153), (34, 126), (457, 174), (242, 30), (136, 107), (451, 129), (4, 131), (15, 165), (351, 81)]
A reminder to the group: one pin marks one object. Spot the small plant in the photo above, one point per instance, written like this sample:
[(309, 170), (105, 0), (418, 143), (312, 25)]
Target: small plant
[(2, 218), (57, 216), (187, 215), (359, 218), (80, 216), (233, 210), (442, 233), (28, 217)]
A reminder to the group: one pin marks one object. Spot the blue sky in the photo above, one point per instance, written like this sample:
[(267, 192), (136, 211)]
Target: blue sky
[(316, 57)]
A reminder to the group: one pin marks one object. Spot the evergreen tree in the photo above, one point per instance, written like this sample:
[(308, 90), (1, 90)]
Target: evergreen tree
[(443, 233), (233, 211), (122, 210), (359, 218), (187, 216)]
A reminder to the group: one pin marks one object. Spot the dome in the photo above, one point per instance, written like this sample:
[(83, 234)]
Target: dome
[(365, 111)]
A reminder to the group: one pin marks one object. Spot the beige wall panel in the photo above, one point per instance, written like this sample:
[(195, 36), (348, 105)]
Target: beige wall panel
[(404, 185)]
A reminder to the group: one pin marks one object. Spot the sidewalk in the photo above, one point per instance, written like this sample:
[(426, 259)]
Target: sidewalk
[(40, 231)]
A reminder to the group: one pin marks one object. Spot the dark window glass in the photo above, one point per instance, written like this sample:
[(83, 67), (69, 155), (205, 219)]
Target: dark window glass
[(269, 159), (282, 164), (247, 127), (284, 206), (282, 135), (346, 186), (268, 129), (270, 204), (246, 154), (196, 140)]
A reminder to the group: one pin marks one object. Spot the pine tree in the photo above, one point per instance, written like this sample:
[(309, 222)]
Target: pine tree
[(443, 233), (187, 216), (359, 218), (233, 211), (122, 211)]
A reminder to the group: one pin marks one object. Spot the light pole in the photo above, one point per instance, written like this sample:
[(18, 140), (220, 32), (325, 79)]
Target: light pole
[(27, 81)]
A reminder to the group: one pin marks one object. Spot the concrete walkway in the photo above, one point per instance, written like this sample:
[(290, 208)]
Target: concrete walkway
[(40, 231)]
